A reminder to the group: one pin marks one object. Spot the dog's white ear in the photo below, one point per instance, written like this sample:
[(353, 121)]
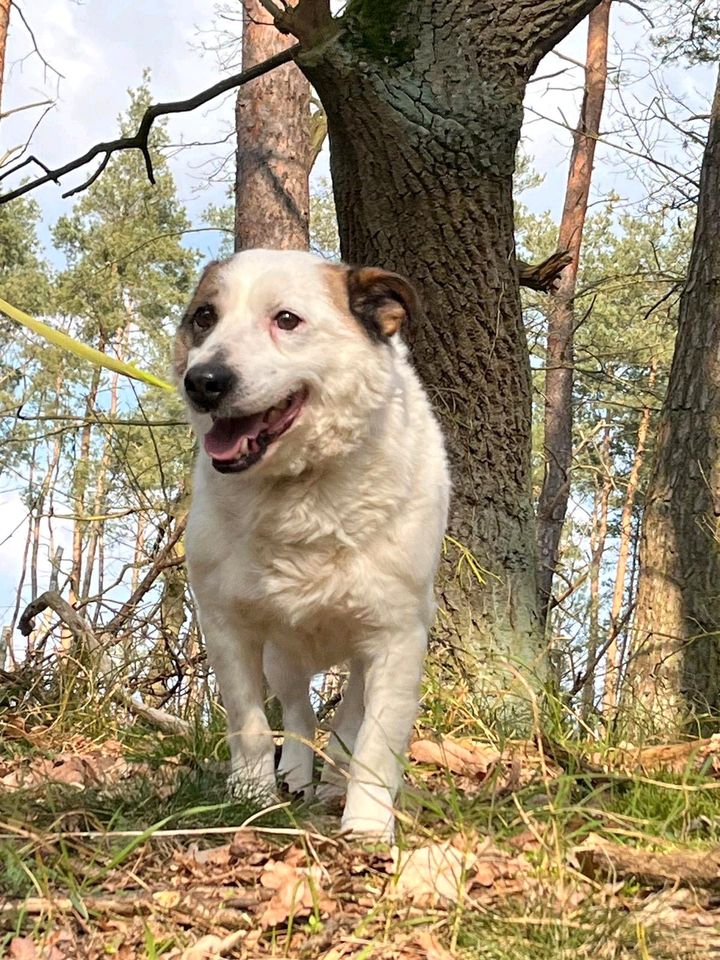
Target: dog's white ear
[(380, 300)]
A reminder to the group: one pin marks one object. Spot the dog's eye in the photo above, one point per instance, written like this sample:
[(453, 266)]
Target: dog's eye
[(286, 320), (205, 316)]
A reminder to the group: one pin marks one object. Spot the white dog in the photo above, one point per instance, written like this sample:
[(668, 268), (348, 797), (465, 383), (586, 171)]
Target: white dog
[(319, 506)]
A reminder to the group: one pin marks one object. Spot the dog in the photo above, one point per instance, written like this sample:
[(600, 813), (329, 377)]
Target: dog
[(319, 505)]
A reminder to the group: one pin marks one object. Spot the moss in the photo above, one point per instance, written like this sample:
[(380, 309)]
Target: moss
[(373, 26)]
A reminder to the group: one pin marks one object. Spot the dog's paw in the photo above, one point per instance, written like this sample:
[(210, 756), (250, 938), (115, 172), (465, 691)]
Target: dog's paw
[(368, 829), (241, 787)]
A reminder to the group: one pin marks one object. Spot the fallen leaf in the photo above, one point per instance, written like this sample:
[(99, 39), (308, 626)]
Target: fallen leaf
[(212, 946), (297, 892), (22, 948), (459, 756), (433, 873), (432, 950), (217, 856)]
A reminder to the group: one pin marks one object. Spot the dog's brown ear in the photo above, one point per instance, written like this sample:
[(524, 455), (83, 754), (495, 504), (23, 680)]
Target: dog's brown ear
[(381, 301)]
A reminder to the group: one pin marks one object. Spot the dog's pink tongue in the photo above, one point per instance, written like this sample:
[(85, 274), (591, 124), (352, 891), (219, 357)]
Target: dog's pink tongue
[(225, 438)]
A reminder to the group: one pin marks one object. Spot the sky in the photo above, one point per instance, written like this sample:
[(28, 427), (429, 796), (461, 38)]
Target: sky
[(101, 48)]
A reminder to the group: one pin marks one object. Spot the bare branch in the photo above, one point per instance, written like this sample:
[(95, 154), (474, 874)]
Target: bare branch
[(139, 141), (26, 106)]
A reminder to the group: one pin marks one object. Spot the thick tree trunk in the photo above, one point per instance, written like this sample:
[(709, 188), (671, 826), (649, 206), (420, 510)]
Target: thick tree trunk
[(423, 126), (559, 361), (274, 148), (4, 21), (612, 663), (675, 665)]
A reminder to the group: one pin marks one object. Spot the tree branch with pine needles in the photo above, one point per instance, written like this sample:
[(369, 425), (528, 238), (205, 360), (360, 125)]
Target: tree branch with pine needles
[(140, 139)]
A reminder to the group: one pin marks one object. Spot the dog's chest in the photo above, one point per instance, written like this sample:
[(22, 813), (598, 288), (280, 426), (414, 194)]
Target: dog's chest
[(296, 565)]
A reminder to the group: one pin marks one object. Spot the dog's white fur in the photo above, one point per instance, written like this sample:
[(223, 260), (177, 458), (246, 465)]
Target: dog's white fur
[(325, 551)]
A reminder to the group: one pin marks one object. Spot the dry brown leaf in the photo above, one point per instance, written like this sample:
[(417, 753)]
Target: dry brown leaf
[(432, 950), (22, 948), (212, 946), (215, 856), (471, 762), (297, 892), (434, 873), (463, 757)]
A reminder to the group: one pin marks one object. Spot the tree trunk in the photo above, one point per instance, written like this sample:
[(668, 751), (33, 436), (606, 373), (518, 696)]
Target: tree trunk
[(423, 126), (274, 148), (80, 480), (612, 664), (598, 536), (675, 665), (559, 360), (4, 21)]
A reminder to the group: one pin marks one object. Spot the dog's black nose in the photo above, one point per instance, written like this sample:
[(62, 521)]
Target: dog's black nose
[(207, 383)]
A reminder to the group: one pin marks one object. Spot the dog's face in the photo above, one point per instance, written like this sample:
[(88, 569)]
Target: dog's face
[(282, 358)]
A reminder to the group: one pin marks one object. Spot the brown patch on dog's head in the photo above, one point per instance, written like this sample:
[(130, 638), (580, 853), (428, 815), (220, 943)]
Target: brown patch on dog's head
[(189, 335), (379, 300)]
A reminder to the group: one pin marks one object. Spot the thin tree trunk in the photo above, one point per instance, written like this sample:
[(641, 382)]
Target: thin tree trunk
[(598, 537), (138, 553), (99, 505), (559, 373), (274, 144), (675, 663), (612, 666), (4, 21), (79, 488), (23, 563)]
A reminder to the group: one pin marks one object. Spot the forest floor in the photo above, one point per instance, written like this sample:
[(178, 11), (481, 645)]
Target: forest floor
[(122, 844)]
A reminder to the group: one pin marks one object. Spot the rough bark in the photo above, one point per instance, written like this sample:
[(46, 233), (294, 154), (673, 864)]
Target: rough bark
[(675, 664), (424, 106), (612, 664), (274, 146), (558, 419), (4, 21)]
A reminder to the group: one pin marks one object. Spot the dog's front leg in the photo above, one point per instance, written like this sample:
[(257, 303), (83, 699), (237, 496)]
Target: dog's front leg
[(392, 689), (235, 655)]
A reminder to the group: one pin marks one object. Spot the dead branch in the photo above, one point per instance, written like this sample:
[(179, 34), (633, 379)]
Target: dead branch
[(543, 276), (85, 635), (52, 600), (139, 140), (693, 868), (700, 757)]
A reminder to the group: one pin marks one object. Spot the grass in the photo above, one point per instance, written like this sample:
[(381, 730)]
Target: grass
[(179, 786)]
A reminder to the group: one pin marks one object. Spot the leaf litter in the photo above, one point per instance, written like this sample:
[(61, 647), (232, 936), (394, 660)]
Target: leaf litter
[(300, 894)]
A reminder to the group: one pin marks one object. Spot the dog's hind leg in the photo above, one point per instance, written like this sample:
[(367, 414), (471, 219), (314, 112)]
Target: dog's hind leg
[(291, 685), (345, 726)]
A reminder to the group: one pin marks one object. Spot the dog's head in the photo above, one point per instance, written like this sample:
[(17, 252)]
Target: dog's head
[(284, 360)]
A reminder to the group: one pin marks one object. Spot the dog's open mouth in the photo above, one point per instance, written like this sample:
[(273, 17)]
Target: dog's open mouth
[(236, 443)]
